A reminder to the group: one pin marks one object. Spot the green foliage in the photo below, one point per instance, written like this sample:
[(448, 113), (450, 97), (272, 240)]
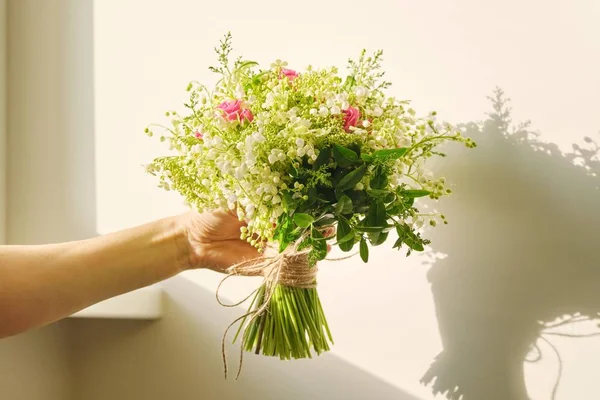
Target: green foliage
[(363, 216), (303, 171)]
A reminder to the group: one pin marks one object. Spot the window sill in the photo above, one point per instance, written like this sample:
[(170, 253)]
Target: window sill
[(144, 304)]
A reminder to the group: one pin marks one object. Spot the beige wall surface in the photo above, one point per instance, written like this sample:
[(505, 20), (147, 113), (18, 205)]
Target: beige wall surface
[(481, 315)]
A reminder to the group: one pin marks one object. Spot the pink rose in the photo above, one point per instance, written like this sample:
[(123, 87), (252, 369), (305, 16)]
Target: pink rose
[(198, 135), (288, 73), (233, 111), (351, 116), (246, 115)]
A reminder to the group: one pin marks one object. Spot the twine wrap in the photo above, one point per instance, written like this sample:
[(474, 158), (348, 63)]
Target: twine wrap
[(289, 268)]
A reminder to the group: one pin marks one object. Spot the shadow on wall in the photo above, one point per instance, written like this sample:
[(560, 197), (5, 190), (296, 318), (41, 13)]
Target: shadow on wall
[(179, 357), (528, 219)]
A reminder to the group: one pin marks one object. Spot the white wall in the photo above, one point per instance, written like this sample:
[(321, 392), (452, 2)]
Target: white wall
[(179, 357), (35, 365), (51, 140), (447, 56), (50, 187), (519, 247)]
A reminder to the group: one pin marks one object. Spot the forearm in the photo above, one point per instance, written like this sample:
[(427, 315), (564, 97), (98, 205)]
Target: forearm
[(41, 284)]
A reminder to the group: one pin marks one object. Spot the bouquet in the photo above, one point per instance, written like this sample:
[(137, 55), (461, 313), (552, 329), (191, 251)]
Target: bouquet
[(298, 155)]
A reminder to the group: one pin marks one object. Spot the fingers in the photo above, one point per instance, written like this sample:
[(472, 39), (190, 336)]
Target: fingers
[(222, 255), (329, 232)]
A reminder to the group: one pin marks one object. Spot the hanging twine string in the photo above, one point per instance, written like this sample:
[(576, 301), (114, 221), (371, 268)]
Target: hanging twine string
[(289, 268)]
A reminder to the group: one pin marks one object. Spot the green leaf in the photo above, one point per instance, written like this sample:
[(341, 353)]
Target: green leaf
[(319, 244), (398, 243), (390, 154), (344, 156), (350, 82), (312, 196), (389, 198), (377, 215), (325, 220), (345, 239), (303, 220), (351, 178), (379, 180), (370, 229), (322, 158), (344, 206), (343, 230), (414, 244), (377, 193), (358, 197), (410, 238), (415, 193), (282, 232), (247, 64), (364, 250), (378, 238), (367, 157), (287, 200), (322, 198), (294, 172)]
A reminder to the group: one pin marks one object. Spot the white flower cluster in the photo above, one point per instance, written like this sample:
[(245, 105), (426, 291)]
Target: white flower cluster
[(242, 146)]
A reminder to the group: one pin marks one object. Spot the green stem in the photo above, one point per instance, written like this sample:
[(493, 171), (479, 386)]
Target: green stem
[(263, 320)]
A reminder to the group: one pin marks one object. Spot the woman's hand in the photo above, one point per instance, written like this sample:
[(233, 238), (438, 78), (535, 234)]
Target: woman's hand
[(214, 239)]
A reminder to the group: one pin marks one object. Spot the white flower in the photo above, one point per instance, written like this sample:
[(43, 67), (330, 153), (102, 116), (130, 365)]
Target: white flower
[(299, 142), (342, 97), (276, 199), (378, 112), (276, 155), (212, 153), (239, 92), (345, 105), (313, 111), (323, 111), (330, 103), (360, 91), (366, 123), (420, 222), (335, 110)]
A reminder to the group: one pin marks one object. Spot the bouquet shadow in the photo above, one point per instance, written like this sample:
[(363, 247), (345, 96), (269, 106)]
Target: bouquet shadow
[(522, 245)]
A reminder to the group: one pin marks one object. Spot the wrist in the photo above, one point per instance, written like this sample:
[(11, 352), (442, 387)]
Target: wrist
[(185, 256), (190, 252)]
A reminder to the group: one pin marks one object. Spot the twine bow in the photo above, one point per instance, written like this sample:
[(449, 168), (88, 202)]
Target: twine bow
[(288, 268)]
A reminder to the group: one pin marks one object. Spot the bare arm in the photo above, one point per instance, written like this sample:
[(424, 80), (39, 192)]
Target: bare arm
[(41, 284)]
